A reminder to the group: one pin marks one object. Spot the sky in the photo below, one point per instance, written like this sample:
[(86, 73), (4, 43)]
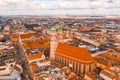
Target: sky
[(60, 7)]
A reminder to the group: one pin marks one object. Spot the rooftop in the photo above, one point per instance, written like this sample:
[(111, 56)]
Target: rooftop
[(108, 74), (35, 44), (14, 36), (28, 35), (81, 55), (34, 56), (111, 72), (112, 55), (56, 28)]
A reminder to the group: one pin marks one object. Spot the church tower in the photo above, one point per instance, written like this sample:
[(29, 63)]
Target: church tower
[(56, 36), (53, 42)]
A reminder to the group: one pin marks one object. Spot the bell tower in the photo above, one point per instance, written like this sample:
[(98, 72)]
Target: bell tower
[(53, 42), (56, 35)]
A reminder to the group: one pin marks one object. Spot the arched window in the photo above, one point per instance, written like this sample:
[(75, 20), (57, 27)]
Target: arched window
[(84, 68), (89, 68)]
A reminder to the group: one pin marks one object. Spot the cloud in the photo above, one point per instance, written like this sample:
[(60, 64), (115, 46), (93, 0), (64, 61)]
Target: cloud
[(78, 7)]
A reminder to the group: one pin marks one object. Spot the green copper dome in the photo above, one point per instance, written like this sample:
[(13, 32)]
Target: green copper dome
[(53, 29), (56, 28), (59, 27)]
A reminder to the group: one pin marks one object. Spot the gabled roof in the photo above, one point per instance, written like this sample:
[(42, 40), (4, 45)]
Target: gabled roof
[(34, 56), (36, 44), (29, 35), (81, 55)]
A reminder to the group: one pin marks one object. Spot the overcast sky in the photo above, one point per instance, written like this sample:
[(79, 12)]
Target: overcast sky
[(60, 7)]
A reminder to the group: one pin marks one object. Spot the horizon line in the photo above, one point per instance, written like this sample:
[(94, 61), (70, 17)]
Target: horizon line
[(55, 15)]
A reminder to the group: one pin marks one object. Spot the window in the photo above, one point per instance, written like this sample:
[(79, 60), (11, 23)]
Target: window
[(89, 68), (73, 65), (84, 69), (60, 60), (64, 61), (67, 61), (56, 58), (77, 67)]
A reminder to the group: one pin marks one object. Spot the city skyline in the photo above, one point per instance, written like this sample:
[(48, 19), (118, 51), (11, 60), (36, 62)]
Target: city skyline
[(60, 7), (59, 47)]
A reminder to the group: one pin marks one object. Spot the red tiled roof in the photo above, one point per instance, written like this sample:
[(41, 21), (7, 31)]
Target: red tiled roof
[(34, 67), (14, 36), (111, 57), (34, 56), (81, 55), (36, 44), (29, 35), (16, 68)]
